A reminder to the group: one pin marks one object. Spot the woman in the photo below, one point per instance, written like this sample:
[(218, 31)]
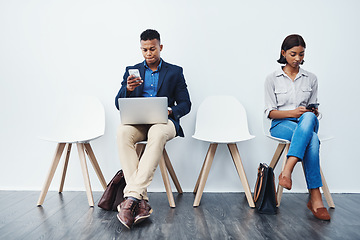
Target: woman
[(288, 93)]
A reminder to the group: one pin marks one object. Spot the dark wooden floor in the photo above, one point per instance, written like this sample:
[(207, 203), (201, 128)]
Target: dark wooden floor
[(220, 216)]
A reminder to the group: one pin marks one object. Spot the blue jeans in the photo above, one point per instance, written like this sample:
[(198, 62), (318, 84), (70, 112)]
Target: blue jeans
[(305, 144)]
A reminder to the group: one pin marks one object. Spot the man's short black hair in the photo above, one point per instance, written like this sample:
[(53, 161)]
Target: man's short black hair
[(289, 42), (150, 34)]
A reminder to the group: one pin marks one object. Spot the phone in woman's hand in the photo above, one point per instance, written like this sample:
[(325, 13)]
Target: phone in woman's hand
[(312, 106)]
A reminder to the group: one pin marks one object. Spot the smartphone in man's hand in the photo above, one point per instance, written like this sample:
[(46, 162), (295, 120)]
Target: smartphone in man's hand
[(135, 73)]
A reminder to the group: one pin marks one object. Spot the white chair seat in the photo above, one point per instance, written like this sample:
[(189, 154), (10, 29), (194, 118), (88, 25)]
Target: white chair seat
[(322, 138), (231, 139), (278, 139)]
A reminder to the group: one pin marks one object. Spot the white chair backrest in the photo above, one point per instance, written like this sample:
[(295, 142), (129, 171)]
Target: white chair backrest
[(77, 119), (221, 119)]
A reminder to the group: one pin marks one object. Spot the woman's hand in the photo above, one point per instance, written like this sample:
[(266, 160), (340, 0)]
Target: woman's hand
[(133, 82), (315, 111), (297, 112)]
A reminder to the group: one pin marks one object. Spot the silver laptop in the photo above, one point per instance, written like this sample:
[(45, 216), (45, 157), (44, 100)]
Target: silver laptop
[(144, 110)]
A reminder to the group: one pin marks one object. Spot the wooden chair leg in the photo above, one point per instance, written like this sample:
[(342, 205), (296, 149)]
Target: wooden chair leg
[(59, 149), (95, 164), (201, 172), (68, 149), (81, 149), (240, 169), (326, 191), (166, 182), (164, 164), (280, 189), (204, 175), (279, 150), (172, 172)]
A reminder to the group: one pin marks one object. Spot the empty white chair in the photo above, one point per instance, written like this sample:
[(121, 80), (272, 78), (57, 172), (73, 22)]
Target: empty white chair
[(79, 120), (282, 149), (221, 119)]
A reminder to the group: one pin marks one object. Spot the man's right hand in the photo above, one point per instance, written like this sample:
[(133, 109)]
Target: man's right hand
[(133, 82)]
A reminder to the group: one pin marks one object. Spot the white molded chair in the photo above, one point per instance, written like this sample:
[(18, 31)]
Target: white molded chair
[(165, 166), (79, 120), (221, 119), (282, 149)]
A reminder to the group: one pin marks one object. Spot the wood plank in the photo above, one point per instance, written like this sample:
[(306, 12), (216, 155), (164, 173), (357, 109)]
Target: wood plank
[(17, 206), (94, 224), (220, 216), (9, 198), (28, 216), (56, 226)]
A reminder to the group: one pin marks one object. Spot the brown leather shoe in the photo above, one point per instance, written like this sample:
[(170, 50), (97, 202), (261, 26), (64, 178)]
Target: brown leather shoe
[(127, 209), (143, 211), (285, 182), (321, 213)]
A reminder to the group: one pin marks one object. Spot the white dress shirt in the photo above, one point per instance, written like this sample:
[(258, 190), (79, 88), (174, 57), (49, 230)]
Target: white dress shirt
[(282, 93)]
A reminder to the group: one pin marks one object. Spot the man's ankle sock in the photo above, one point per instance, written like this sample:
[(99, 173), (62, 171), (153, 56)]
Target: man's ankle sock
[(134, 199)]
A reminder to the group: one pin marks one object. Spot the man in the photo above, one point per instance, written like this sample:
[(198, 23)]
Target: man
[(157, 79)]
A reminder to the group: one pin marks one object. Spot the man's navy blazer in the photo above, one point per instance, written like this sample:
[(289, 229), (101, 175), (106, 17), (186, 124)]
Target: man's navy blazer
[(171, 85)]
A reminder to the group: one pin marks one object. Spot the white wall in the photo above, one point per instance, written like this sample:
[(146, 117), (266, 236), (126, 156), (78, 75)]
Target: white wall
[(50, 49)]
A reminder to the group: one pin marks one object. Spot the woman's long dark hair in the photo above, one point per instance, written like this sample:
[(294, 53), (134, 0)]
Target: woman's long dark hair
[(289, 42)]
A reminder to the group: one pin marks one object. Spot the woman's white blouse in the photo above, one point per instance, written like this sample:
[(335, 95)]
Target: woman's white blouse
[(282, 93)]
